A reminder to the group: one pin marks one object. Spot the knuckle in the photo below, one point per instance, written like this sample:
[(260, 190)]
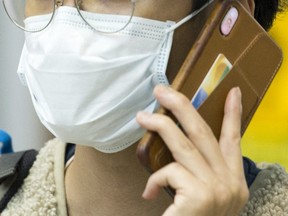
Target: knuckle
[(175, 167), (161, 122), (186, 149), (224, 194), (235, 138), (180, 101), (200, 130), (240, 192), (206, 197), (232, 137), (244, 195)]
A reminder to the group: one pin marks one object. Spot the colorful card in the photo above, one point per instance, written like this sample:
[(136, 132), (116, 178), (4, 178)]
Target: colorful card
[(220, 68)]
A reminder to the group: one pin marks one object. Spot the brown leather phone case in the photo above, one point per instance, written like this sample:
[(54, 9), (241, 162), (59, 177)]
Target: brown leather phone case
[(255, 59)]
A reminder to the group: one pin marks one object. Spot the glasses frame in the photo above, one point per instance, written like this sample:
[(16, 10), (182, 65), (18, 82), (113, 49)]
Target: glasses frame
[(59, 3), (22, 28), (133, 2)]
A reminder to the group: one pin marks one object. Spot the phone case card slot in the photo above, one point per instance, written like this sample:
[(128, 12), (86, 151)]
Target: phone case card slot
[(214, 116)]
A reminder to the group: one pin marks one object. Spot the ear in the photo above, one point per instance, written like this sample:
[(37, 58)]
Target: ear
[(249, 5)]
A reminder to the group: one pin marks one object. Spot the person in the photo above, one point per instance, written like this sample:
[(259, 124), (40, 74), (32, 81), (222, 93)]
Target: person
[(89, 75)]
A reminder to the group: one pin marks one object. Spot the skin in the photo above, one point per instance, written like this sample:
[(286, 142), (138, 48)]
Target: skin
[(207, 173), (216, 185)]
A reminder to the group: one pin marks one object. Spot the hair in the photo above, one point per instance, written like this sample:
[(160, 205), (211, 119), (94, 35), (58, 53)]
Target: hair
[(266, 11)]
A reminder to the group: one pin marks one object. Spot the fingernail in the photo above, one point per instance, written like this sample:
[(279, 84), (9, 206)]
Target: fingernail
[(163, 89), (237, 97), (143, 116), (238, 94), (234, 100)]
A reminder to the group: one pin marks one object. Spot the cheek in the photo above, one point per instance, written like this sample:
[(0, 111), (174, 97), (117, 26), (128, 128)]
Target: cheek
[(35, 7), (163, 10), (106, 7)]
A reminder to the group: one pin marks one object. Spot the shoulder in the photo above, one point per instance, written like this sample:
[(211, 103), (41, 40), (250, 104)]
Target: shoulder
[(269, 192), (39, 192)]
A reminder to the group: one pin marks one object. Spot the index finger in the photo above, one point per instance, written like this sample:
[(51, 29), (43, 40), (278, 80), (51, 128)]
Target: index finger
[(195, 127)]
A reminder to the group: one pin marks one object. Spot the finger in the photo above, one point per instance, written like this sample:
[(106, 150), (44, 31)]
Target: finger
[(231, 132), (181, 148), (192, 195), (193, 124), (181, 180)]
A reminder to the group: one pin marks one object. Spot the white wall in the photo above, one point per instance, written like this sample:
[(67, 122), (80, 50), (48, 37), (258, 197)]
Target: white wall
[(17, 115)]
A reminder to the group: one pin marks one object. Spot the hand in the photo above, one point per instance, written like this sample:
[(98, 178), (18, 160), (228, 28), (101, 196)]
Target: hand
[(207, 175)]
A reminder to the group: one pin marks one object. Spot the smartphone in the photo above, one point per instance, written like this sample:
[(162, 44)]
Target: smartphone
[(232, 50)]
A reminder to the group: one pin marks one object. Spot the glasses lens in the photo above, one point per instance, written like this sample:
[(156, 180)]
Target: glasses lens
[(21, 11), (118, 13)]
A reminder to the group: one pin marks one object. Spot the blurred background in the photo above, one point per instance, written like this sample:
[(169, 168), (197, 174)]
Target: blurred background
[(266, 138), (17, 115)]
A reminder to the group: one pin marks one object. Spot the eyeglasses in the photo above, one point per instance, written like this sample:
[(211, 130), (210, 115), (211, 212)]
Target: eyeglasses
[(21, 10)]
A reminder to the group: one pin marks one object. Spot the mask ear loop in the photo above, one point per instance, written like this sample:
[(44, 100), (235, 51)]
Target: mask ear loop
[(21, 70), (187, 18)]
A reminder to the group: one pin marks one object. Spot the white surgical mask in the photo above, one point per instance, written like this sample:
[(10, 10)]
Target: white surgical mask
[(87, 86)]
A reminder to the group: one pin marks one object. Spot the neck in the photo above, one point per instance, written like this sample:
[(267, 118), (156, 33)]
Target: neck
[(109, 184)]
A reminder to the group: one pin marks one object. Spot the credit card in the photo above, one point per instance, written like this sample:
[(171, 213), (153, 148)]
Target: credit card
[(218, 71)]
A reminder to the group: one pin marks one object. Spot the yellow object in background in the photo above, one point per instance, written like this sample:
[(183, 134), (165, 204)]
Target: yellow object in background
[(266, 139)]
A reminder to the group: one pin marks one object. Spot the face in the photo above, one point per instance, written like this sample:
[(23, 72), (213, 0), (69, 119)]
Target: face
[(64, 81), (162, 10)]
